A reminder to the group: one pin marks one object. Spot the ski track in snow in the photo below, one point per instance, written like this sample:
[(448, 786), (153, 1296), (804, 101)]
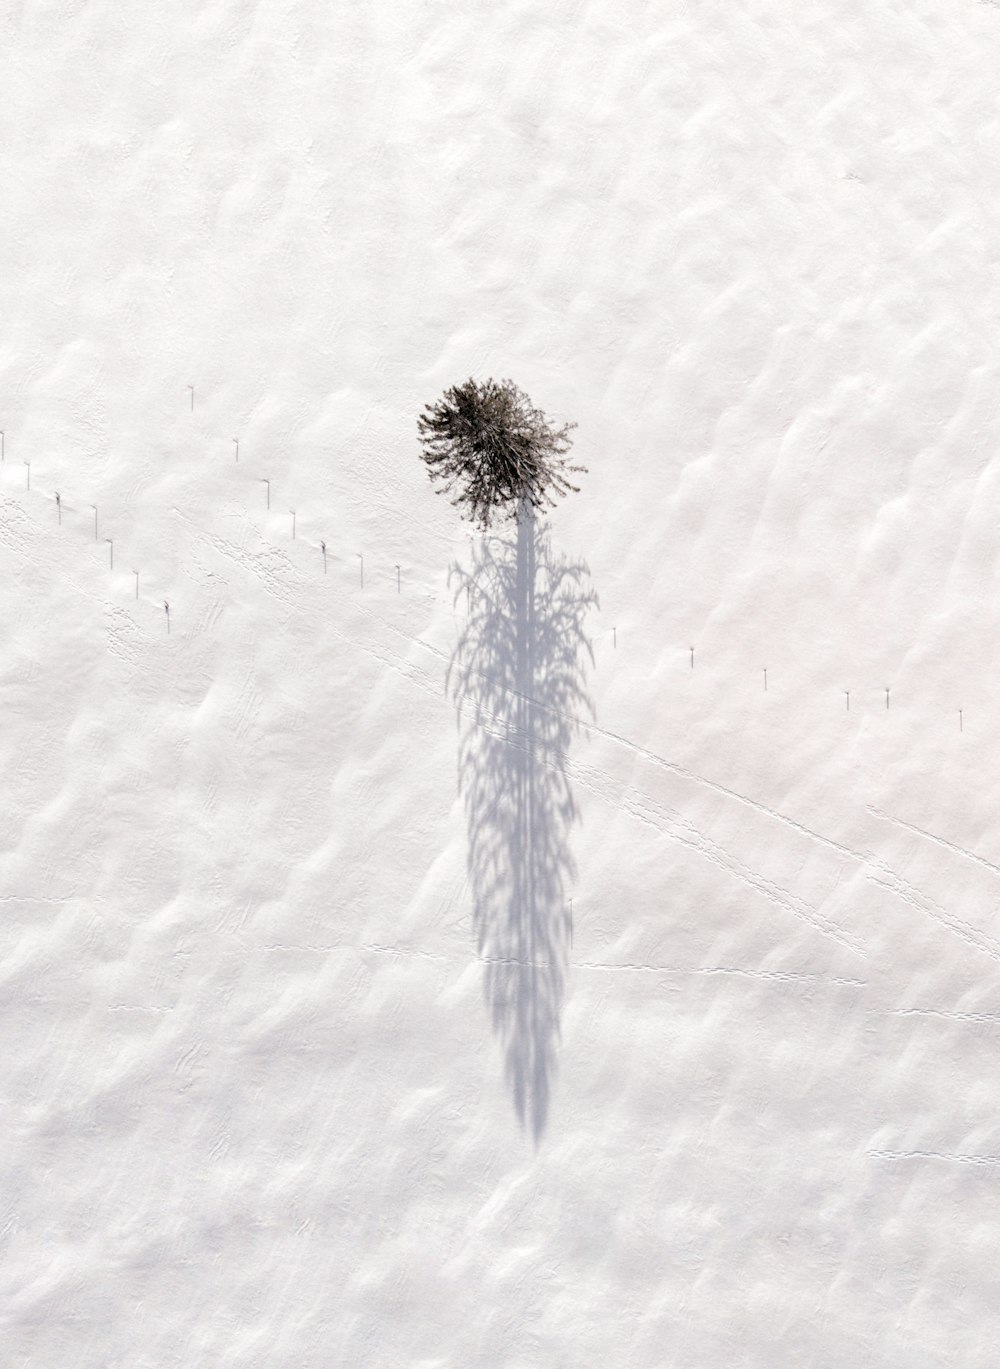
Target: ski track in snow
[(979, 1161), (957, 850), (643, 808), (788, 977)]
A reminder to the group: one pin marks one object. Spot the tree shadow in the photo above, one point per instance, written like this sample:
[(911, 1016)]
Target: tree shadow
[(518, 680)]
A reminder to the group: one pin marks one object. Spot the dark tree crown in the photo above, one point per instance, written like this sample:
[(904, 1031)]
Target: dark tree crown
[(499, 454)]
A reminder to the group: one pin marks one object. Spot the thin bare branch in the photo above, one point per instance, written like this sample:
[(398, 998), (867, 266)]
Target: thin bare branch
[(486, 444)]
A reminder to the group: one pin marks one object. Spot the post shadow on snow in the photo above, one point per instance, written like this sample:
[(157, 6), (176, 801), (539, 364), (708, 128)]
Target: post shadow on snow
[(518, 680)]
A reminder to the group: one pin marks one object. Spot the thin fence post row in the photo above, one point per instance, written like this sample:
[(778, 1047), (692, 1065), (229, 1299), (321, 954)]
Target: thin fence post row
[(361, 559)]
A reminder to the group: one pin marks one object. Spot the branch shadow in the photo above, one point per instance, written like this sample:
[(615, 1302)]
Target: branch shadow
[(518, 681)]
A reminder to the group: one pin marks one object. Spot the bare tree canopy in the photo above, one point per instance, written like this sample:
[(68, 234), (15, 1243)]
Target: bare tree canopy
[(488, 446)]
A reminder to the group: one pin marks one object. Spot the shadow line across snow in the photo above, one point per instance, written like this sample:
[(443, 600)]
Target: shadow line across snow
[(518, 680)]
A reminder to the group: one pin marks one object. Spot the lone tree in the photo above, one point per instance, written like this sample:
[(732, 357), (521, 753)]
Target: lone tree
[(500, 454)]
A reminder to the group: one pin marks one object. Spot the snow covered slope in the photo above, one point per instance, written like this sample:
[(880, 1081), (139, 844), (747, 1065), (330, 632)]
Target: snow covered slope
[(422, 951)]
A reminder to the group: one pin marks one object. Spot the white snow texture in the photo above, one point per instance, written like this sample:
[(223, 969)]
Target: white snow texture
[(429, 951)]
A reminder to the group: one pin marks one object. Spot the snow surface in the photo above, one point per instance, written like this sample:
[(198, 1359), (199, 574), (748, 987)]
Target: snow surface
[(453, 976)]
